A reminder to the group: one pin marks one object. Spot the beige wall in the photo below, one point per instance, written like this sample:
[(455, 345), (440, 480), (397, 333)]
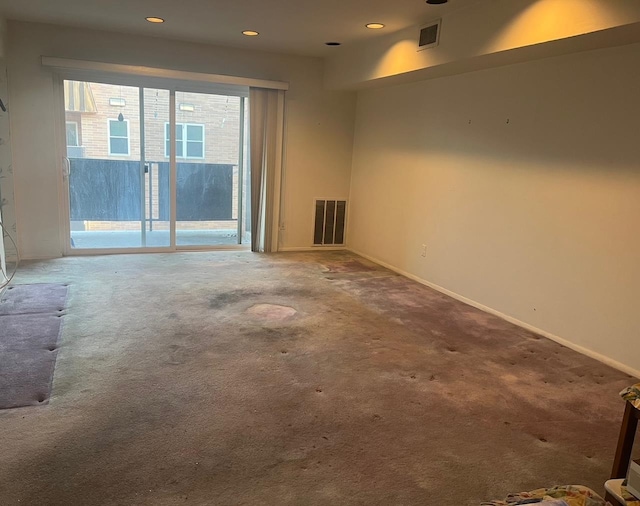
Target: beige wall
[(524, 184), (3, 37), (319, 123)]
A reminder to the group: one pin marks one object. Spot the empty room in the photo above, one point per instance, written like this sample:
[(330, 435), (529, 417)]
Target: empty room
[(319, 253)]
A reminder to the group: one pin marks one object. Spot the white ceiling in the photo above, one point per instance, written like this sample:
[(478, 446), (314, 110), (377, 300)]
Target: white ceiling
[(289, 26)]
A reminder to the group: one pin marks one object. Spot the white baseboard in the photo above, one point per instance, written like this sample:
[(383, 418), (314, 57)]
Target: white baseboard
[(316, 248), (560, 340), (39, 258)]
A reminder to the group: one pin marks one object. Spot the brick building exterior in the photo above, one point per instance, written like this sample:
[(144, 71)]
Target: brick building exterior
[(103, 122), (216, 116)]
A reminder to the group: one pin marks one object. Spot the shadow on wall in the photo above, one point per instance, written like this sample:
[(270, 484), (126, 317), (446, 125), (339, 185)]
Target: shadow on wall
[(549, 112)]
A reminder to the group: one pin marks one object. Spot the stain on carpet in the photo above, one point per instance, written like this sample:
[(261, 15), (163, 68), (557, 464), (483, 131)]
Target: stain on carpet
[(271, 312), (377, 391), (274, 334), (349, 266), (223, 299)]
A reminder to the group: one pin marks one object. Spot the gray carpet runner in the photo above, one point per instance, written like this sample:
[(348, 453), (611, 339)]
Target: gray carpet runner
[(30, 324)]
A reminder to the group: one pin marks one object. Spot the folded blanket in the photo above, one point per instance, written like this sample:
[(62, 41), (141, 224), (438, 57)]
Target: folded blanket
[(632, 395), (571, 495)]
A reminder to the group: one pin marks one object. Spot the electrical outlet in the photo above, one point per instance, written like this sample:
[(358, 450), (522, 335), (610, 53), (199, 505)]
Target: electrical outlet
[(424, 250)]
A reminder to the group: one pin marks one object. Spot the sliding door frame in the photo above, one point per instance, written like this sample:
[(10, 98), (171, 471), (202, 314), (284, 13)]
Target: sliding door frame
[(63, 167)]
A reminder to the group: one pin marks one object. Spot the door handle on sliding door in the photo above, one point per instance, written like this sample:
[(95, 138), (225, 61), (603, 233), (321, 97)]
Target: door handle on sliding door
[(66, 167)]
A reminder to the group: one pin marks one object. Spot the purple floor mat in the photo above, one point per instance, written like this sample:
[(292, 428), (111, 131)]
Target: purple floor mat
[(30, 323), (30, 299)]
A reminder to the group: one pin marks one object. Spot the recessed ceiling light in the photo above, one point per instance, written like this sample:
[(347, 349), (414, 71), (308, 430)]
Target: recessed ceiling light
[(250, 33), (153, 19), (437, 2), (374, 26), (333, 43)]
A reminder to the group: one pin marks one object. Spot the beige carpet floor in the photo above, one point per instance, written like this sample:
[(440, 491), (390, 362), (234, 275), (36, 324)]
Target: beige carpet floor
[(296, 379)]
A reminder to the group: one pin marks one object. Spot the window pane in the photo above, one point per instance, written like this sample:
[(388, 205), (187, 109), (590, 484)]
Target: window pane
[(194, 132), (72, 134), (179, 140), (194, 150), (167, 141), (119, 146), (118, 128)]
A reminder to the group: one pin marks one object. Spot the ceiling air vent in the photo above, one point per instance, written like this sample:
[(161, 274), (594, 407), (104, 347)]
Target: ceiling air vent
[(429, 35), (329, 222)]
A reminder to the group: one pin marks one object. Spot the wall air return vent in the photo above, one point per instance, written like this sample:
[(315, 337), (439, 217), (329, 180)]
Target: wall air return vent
[(429, 35), (329, 222)]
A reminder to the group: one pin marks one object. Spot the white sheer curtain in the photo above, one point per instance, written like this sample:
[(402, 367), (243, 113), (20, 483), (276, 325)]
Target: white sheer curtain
[(266, 112), (3, 262)]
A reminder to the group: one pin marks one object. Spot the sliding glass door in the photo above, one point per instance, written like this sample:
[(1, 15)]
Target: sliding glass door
[(209, 151), (157, 201), (104, 165), (133, 185)]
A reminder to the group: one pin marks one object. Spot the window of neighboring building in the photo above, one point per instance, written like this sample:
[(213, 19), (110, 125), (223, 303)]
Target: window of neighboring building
[(189, 140), (118, 137), (72, 134)]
